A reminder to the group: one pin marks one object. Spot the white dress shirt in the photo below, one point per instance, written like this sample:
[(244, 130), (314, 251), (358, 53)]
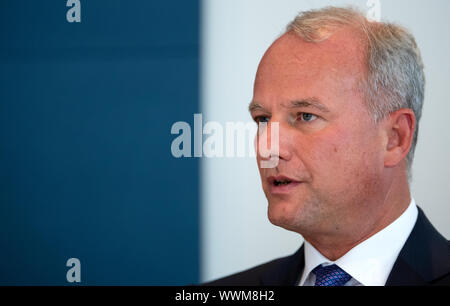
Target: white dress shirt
[(370, 262)]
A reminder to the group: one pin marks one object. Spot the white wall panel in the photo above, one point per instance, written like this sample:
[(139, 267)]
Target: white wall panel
[(235, 34)]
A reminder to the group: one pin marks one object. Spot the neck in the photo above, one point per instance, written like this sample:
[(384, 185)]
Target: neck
[(379, 215)]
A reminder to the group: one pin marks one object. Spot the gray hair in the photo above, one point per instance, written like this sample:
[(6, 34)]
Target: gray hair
[(395, 76)]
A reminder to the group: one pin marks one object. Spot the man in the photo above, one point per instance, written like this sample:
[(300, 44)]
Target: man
[(347, 96)]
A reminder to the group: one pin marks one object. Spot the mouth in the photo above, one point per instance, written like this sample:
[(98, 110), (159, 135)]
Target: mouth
[(282, 184)]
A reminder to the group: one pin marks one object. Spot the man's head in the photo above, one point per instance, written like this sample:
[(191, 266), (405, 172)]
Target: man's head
[(347, 94)]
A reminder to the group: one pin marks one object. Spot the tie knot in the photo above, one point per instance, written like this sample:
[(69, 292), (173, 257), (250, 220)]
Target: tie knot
[(330, 276)]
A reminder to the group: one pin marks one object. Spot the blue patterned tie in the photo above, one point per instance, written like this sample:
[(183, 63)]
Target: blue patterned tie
[(330, 276)]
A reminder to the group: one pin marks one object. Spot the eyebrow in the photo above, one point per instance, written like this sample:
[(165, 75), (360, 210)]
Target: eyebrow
[(308, 102), (255, 106)]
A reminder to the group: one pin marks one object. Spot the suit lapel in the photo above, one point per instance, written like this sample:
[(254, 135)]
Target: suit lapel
[(287, 272), (424, 257)]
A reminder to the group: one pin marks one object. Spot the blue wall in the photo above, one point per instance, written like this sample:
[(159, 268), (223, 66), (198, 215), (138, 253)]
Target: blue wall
[(86, 169)]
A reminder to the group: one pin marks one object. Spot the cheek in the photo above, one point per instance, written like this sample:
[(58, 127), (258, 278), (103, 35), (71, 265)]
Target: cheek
[(325, 149), (339, 153)]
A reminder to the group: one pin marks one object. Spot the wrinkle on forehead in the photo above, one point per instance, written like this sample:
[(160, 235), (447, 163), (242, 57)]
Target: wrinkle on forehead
[(332, 70), (344, 52), (338, 61)]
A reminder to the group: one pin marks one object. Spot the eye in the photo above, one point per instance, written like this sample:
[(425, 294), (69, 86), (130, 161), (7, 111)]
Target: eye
[(261, 119), (307, 117)]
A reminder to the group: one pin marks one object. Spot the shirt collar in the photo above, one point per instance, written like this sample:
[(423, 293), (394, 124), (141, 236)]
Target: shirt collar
[(371, 261)]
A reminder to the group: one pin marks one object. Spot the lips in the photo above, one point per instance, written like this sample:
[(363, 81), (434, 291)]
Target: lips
[(282, 184)]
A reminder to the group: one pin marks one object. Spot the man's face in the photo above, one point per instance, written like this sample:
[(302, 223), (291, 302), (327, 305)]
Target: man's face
[(330, 150)]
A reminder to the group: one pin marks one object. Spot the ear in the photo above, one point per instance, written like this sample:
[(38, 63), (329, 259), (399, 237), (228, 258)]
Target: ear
[(400, 127)]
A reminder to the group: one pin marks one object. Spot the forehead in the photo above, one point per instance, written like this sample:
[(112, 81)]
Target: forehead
[(293, 68)]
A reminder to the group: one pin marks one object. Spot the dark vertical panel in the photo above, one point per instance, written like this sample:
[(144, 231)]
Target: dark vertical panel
[(85, 164)]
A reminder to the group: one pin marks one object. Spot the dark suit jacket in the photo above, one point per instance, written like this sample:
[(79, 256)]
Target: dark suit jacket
[(423, 260)]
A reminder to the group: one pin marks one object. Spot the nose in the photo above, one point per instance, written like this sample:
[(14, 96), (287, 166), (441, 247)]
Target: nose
[(273, 142)]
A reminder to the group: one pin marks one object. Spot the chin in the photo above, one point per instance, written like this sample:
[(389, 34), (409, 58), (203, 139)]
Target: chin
[(284, 214)]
